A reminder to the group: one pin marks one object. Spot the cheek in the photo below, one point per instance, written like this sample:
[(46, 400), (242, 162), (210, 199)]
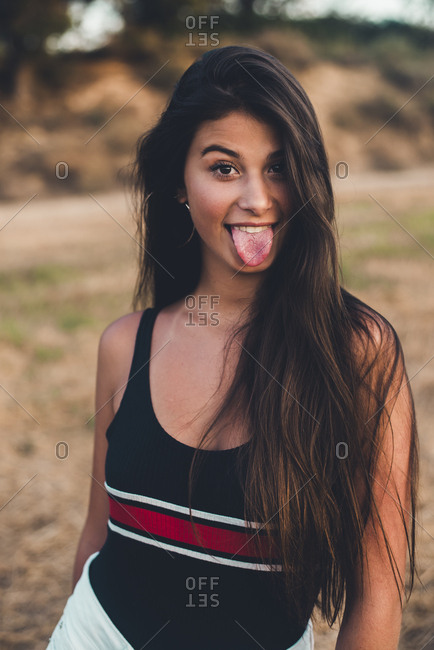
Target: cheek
[(212, 206)]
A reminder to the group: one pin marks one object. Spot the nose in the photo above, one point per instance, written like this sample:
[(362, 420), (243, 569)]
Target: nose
[(255, 196)]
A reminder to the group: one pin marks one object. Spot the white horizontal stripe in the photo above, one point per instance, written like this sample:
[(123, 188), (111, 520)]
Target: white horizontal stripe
[(224, 519), (191, 553)]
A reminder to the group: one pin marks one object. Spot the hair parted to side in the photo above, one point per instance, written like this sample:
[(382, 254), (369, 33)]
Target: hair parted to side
[(320, 369)]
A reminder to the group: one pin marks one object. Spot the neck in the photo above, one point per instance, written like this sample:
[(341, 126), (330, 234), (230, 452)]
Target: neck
[(226, 294)]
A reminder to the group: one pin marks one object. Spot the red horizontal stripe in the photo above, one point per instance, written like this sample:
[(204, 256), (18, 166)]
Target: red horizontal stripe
[(179, 530)]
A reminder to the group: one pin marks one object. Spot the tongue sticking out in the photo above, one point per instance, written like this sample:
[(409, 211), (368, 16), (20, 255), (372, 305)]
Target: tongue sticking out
[(252, 247)]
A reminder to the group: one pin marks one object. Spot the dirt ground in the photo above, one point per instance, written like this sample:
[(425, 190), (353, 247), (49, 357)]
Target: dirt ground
[(67, 269)]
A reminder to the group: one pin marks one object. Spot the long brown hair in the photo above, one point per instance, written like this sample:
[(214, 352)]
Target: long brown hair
[(319, 370)]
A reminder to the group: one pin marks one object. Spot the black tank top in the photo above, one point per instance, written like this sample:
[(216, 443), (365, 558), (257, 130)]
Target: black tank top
[(159, 585)]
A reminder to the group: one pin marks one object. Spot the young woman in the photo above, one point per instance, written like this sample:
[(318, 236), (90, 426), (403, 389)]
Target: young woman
[(256, 451)]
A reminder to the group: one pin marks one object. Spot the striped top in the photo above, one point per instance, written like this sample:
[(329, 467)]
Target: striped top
[(167, 525), (157, 576)]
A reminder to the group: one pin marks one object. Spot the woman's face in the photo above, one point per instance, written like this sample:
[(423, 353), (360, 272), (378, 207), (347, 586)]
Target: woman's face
[(235, 175)]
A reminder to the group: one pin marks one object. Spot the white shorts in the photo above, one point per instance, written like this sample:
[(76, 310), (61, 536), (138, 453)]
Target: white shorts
[(85, 625)]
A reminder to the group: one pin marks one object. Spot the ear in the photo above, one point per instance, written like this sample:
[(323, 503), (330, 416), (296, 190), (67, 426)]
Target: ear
[(181, 195)]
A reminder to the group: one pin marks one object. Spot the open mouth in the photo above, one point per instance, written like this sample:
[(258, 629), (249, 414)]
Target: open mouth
[(255, 228), (252, 243)]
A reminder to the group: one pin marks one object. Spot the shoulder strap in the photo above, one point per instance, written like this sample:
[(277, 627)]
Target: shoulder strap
[(142, 346), (134, 397)]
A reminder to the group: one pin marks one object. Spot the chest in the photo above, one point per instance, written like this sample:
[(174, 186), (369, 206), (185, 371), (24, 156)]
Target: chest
[(184, 376)]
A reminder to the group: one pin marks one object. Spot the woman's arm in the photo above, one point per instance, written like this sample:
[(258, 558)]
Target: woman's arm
[(373, 622), (95, 528)]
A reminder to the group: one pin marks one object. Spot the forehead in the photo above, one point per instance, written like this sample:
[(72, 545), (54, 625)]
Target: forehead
[(236, 127)]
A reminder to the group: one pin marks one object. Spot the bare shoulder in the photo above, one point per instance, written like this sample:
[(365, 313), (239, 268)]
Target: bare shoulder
[(116, 348), (118, 334), (374, 338)]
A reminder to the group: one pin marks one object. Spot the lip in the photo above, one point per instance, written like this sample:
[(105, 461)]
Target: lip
[(229, 229), (250, 223)]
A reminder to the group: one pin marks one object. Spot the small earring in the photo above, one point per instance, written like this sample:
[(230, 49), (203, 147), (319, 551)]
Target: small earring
[(192, 232)]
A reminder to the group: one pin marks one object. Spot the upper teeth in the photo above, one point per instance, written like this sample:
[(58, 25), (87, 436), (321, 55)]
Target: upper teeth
[(251, 228)]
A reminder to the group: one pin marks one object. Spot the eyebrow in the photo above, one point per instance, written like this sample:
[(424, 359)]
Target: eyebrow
[(234, 154)]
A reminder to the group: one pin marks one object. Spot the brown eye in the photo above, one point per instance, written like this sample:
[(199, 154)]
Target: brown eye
[(282, 166), (216, 169)]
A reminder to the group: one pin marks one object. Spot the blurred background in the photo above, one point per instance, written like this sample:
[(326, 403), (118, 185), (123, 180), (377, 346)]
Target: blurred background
[(79, 83)]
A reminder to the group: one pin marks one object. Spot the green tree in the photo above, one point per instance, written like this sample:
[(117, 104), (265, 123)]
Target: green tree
[(164, 13), (24, 27)]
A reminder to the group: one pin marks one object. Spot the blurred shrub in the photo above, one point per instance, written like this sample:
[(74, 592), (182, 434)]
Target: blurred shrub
[(402, 52), (401, 61), (388, 108), (96, 116), (383, 156), (376, 112), (148, 50), (57, 72), (44, 353), (294, 49), (41, 275), (72, 320), (11, 332)]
